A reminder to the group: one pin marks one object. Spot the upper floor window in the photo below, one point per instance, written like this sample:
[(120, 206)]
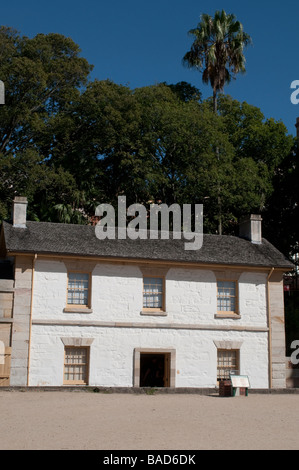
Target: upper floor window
[(153, 293), (78, 292), (227, 296)]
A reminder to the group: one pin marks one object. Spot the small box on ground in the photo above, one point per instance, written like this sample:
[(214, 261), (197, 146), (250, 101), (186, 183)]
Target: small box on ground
[(225, 388)]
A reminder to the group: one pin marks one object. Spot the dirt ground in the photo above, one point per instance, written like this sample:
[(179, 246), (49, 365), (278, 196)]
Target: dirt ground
[(50, 420)]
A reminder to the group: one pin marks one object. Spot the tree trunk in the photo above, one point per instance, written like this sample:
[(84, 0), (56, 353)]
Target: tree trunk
[(219, 214), (214, 101), (218, 158)]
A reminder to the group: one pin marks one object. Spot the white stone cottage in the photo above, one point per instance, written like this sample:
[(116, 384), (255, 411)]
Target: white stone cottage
[(76, 310)]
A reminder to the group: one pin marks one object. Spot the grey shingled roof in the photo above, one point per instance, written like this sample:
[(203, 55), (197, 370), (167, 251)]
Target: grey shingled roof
[(67, 239)]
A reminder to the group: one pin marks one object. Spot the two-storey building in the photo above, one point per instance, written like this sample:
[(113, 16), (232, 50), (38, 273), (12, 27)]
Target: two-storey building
[(124, 313)]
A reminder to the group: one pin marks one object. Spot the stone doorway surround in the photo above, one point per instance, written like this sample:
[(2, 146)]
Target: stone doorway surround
[(137, 354)]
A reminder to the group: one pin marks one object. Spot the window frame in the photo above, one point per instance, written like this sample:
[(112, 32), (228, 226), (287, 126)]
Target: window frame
[(236, 312), (237, 368), (79, 307), (87, 365), (150, 310)]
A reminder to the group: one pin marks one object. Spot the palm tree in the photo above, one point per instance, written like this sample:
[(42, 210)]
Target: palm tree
[(217, 50)]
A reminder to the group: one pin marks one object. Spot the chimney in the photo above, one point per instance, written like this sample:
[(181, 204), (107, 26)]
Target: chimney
[(250, 228), (19, 212)]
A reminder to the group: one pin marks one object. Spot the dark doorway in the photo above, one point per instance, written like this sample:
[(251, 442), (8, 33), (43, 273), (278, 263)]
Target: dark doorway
[(154, 370)]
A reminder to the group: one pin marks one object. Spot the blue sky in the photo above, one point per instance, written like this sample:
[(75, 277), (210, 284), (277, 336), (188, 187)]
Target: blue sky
[(139, 43)]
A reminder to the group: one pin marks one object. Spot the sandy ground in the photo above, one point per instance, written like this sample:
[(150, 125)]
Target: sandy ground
[(96, 421)]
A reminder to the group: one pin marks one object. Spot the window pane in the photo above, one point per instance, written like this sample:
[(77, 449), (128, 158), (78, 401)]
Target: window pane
[(226, 298), (76, 364), (227, 362), (78, 288), (152, 292)]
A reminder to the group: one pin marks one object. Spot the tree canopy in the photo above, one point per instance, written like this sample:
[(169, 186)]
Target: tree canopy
[(217, 50), (69, 143)]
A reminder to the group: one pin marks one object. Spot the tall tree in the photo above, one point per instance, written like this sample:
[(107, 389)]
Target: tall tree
[(43, 76), (281, 217), (217, 50)]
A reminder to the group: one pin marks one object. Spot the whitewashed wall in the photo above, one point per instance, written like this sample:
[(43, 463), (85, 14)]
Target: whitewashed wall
[(117, 297)]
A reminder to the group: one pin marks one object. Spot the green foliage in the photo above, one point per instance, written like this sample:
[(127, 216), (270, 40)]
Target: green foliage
[(217, 50), (43, 76), (28, 175), (68, 143), (185, 91), (281, 215), (261, 146)]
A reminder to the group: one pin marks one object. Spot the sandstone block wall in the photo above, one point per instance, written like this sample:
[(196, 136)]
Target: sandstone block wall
[(21, 320), (6, 313)]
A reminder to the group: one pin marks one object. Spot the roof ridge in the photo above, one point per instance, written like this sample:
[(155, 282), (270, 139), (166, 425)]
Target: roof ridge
[(116, 227)]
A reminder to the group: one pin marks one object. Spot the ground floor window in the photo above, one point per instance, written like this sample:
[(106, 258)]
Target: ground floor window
[(76, 365), (227, 363)]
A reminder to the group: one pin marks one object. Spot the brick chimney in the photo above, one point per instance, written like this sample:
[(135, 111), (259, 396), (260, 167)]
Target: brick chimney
[(250, 228), (19, 212)]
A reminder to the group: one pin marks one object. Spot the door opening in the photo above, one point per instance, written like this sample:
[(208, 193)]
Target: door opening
[(154, 369)]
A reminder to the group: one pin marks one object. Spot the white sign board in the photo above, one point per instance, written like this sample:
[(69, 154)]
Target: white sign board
[(240, 381)]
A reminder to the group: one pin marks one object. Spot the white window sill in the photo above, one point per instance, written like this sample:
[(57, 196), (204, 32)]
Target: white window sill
[(234, 316), (77, 310), (155, 313)]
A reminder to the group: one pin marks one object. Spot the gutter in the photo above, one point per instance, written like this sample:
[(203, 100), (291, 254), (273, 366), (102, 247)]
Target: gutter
[(31, 309), (269, 325), (170, 262)]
